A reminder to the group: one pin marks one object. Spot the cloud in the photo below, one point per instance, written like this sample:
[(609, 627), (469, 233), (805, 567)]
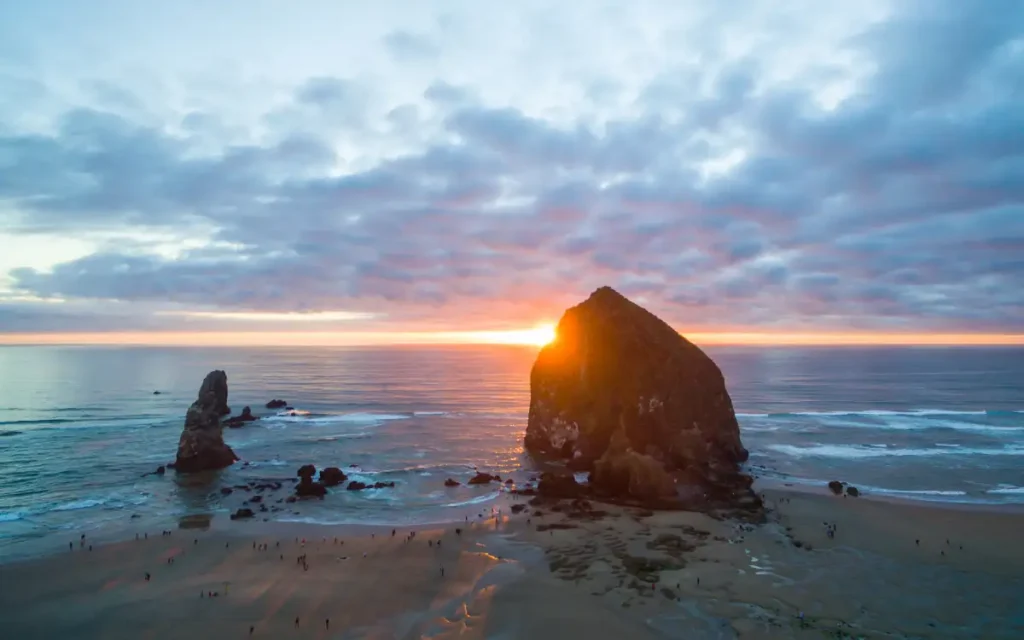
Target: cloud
[(410, 47), (879, 188)]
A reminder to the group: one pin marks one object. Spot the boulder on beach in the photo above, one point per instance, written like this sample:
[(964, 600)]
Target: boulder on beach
[(277, 404), (853, 492), (201, 446), (242, 418), (242, 513), (620, 393), (555, 485), (355, 485), (835, 487), (332, 476), (451, 483)]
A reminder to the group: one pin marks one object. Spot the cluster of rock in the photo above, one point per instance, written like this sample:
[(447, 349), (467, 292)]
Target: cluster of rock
[(837, 488), (621, 394)]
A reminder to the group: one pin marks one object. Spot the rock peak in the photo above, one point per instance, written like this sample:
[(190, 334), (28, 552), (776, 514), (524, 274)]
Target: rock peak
[(201, 446), (625, 395)]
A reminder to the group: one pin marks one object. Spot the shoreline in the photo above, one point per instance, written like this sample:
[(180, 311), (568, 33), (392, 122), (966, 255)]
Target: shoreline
[(122, 529), (608, 571)]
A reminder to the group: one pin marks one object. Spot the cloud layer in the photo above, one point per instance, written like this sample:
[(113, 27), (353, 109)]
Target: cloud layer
[(462, 168)]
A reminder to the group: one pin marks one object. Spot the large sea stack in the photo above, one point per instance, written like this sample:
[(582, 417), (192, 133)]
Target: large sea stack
[(201, 447), (622, 394)]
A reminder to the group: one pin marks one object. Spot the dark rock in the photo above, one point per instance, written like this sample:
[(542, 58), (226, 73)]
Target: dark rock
[(310, 489), (276, 404), (226, 491), (451, 483), (332, 477), (836, 487), (290, 499), (355, 485), (517, 508), (384, 485), (852, 491), (509, 481), (201, 446), (306, 472), (624, 472), (553, 485), (482, 478), (242, 513), (241, 419), (161, 470), (156, 393), (256, 499), (621, 392)]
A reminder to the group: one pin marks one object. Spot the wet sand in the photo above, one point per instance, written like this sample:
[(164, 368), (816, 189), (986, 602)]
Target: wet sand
[(627, 573)]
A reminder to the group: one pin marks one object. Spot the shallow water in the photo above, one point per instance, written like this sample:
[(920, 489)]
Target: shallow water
[(84, 425)]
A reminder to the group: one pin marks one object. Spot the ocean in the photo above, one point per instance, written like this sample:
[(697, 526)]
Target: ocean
[(79, 426)]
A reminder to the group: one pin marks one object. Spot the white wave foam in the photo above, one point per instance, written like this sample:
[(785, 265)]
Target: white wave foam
[(867, 451), (477, 500), (1007, 489), (11, 516), (79, 504), (429, 413), (872, 412), (358, 418)]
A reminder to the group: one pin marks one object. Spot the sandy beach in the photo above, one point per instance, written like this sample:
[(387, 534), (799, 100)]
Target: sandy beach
[(888, 572)]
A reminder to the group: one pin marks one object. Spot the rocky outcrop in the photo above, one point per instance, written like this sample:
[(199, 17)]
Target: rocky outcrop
[(307, 488), (622, 394), (451, 483), (242, 513), (554, 485), (835, 487), (201, 446), (483, 478), (332, 476), (852, 491), (277, 404), (241, 419)]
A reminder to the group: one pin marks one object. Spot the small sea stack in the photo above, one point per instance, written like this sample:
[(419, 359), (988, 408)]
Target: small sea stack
[(201, 446), (620, 393)]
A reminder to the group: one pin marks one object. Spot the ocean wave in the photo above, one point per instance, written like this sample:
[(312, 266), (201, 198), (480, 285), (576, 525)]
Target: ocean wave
[(358, 418), (25, 423), (878, 451), (878, 413), (1007, 489), (79, 504), (11, 516), (429, 413), (488, 497)]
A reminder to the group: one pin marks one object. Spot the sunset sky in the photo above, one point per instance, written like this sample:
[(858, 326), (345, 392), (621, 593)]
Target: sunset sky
[(763, 170)]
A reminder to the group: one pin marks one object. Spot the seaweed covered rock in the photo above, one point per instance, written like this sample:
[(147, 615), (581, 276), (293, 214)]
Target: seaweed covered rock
[(201, 446), (621, 393)]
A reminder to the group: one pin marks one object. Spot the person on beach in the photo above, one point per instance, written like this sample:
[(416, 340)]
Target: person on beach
[(71, 545), (251, 629), (147, 576), (296, 622), (327, 624)]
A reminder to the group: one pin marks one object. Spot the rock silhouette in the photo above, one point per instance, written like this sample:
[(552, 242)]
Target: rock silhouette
[(620, 393), (242, 418), (201, 446)]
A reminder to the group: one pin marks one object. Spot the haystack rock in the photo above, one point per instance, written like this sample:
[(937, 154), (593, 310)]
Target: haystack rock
[(622, 394), (201, 447)]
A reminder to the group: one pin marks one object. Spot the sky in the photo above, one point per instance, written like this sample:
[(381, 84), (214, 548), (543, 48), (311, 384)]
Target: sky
[(395, 168)]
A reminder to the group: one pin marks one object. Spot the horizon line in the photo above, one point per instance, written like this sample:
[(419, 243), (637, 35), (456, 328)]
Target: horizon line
[(515, 337)]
